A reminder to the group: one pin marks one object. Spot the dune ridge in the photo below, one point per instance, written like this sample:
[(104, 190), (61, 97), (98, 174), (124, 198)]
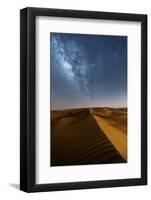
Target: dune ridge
[(88, 136), (116, 137)]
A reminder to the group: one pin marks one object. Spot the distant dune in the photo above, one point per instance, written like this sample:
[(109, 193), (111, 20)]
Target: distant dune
[(88, 136)]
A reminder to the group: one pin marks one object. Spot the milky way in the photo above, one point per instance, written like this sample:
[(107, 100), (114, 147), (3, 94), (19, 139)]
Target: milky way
[(88, 68), (74, 61)]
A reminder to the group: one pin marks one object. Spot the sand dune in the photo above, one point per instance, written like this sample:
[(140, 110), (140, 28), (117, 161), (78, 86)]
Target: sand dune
[(88, 136), (116, 136)]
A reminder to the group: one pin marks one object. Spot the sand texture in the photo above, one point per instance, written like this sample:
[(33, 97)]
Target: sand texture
[(88, 136)]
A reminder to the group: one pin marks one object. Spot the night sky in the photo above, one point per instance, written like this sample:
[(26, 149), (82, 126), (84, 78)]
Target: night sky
[(88, 71)]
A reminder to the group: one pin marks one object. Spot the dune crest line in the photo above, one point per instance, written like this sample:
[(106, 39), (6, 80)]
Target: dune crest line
[(116, 137)]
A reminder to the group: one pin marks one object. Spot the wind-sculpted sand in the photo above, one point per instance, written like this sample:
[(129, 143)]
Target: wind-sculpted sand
[(88, 136)]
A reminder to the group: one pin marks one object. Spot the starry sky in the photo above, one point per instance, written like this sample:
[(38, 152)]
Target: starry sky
[(87, 71)]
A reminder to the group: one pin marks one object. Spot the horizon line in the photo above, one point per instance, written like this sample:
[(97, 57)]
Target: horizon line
[(88, 107)]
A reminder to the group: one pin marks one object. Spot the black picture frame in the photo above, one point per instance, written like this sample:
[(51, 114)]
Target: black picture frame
[(28, 98)]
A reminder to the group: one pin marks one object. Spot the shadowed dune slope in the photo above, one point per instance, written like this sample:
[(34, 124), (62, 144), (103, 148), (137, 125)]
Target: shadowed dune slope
[(76, 138)]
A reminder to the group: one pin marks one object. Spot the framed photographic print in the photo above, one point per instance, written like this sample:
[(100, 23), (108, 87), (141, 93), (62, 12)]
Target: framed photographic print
[(83, 98)]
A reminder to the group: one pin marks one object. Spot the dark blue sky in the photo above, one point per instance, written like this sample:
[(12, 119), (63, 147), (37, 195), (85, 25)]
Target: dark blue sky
[(88, 70)]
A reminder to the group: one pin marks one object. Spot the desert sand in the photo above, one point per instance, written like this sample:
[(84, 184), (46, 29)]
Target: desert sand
[(88, 136)]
